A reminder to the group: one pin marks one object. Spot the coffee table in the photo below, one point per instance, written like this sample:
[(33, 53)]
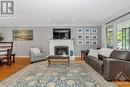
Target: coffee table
[(58, 57)]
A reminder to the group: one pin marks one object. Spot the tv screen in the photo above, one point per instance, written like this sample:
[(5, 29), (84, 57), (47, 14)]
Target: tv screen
[(62, 33)]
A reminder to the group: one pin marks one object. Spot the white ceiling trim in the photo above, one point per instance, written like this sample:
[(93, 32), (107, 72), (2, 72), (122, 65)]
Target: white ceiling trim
[(75, 25)]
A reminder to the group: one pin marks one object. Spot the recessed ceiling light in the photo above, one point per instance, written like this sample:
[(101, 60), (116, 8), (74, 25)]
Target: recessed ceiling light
[(48, 19), (73, 19)]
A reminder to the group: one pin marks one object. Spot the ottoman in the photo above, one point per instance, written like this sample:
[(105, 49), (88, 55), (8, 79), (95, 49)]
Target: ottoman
[(58, 57)]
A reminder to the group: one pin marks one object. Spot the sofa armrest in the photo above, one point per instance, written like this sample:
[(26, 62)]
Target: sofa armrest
[(113, 69)]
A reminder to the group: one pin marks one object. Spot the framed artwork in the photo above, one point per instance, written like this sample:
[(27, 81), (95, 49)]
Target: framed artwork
[(86, 30), (22, 35), (80, 30), (94, 30), (94, 42), (86, 42), (80, 42), (86, 36), (94, 36), (79, 36)]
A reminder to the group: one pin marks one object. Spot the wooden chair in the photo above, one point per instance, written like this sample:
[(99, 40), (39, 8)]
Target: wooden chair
[(6, 54)]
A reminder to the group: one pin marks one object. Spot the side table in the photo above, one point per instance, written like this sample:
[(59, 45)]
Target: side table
[(84, 54)]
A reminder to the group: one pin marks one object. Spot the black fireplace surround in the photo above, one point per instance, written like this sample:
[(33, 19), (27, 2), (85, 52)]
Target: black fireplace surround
[(61, 50)]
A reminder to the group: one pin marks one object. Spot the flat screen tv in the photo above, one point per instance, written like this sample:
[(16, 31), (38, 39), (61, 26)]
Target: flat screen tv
[(61, 33)]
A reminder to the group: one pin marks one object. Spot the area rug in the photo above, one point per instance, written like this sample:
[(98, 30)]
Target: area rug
[(76, 74)]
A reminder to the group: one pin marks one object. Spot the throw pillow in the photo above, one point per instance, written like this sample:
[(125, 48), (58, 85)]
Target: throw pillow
[(105, 51), (93, 53)]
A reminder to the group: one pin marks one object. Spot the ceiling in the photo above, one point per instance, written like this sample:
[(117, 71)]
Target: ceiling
[(64, 12)]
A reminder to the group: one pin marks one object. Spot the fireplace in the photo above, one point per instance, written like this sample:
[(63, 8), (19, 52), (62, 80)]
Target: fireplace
[(62, 46), (61, 50)]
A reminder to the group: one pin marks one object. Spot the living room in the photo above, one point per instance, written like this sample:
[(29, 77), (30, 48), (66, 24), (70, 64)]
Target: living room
[(72, 29)]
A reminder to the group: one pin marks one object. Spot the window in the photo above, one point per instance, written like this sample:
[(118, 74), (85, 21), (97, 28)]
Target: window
[(109, 33), (123, 35)]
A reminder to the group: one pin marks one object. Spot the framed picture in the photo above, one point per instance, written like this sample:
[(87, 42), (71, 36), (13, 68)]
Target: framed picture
[(86, 30), (86, 36), (94, 30), (22, 35), (80, 42), (79, 36), (94, 42), (86, 42), (94, 36), (80, 30)]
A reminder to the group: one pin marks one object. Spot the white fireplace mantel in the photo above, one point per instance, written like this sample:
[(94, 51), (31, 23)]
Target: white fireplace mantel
[(57, 42)]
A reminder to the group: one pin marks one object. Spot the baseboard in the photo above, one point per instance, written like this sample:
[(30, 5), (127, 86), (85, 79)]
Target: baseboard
[(22, 56), (28, 56), (77, 56)]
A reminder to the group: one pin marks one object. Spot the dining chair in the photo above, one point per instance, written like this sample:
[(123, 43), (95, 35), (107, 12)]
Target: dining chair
[(5, 55)]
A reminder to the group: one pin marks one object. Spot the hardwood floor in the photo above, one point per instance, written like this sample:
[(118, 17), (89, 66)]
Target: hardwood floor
[(7, 71), (123, 84), (20, 63)]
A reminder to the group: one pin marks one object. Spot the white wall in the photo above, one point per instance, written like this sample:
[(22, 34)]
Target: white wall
[(103, 36)]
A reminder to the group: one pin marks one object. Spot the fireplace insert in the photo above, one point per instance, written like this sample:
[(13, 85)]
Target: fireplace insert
[(61, 50)]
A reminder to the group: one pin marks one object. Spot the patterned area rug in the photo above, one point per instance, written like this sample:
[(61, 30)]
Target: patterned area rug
[(76, 74)]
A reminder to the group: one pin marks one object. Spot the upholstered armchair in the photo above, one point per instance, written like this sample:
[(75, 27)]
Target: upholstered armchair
[(36, 55)]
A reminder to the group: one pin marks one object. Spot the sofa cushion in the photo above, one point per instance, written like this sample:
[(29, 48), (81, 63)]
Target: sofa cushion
[(123, 55), (105, 51), (93, 52), (96, 62)]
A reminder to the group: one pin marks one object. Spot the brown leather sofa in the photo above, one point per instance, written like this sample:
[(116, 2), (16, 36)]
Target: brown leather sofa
[(114, 67)]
